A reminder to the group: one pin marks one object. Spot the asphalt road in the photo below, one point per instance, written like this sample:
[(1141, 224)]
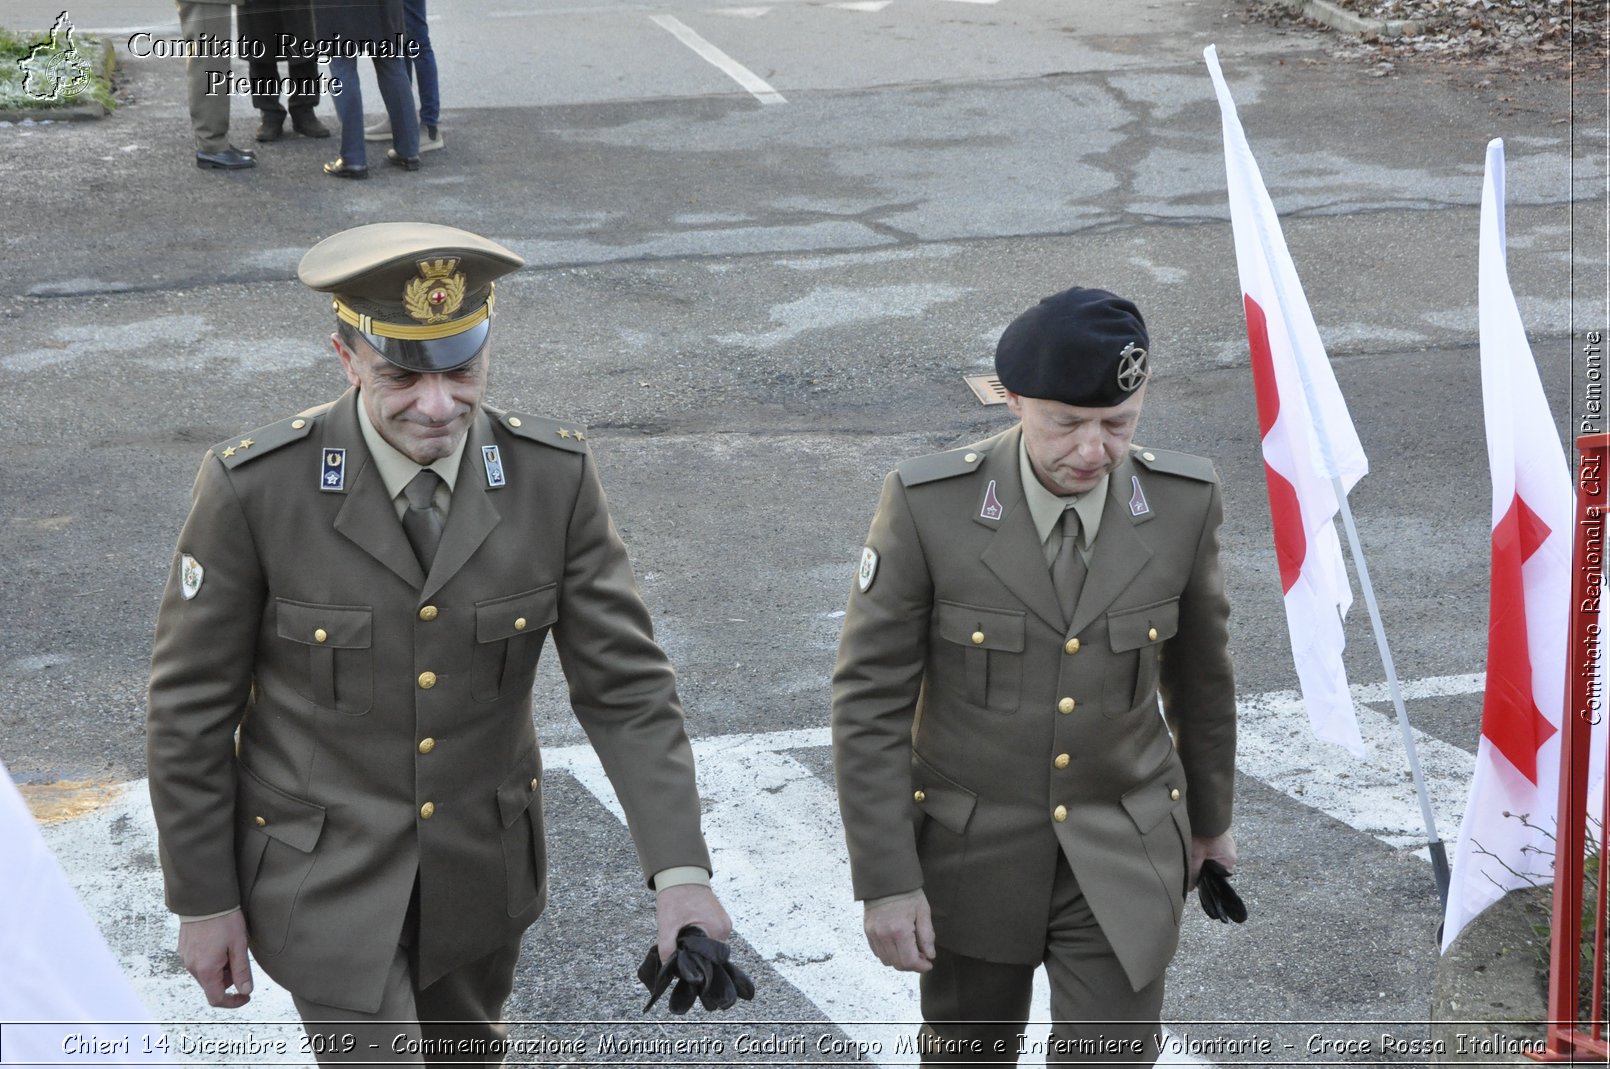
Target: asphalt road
[(758, 308)]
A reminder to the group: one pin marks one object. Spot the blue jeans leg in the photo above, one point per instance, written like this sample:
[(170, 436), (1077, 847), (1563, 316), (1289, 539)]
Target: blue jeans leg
[(348, 108), (392, 74), (423, 67)]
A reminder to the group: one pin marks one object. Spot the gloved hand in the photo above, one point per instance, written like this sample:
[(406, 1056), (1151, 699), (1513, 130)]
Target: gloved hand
[(1218, 898), (705, 970)]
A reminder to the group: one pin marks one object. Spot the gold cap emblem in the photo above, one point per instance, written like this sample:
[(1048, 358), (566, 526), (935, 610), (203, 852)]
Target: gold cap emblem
[(437, 293)]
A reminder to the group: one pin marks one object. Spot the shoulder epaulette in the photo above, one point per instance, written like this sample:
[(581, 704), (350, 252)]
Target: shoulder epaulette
[(559, 434), (936, 466), (1169, 462), (236, 451)]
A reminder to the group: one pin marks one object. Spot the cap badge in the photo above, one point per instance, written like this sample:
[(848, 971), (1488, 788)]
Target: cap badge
[(868, 570), (190, 575), (437, 293), (1131, 368), (991, 508), (1137, 500)]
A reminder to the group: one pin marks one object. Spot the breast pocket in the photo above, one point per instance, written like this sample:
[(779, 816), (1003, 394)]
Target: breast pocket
[(988, 644), (1137, 638), (508, 639), (337, 639)]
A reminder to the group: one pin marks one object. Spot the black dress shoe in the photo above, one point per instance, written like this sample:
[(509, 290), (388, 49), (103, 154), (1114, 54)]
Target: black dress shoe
[(407, 163), (339, 168), (229, 159), (272, 128), (308, 125)]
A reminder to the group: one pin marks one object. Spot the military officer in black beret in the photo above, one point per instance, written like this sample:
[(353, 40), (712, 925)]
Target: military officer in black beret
[(1011, 795), (342, 759)]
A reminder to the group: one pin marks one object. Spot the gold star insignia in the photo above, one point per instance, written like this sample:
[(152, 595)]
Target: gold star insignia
[(229, 452), (580, 437), (564, 433), (246, 443)]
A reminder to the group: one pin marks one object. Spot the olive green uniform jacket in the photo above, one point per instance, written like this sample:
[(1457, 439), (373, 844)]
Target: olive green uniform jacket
[(979, 738), (384, 716)]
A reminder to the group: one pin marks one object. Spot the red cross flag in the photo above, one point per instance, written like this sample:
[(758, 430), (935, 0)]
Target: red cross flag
[(1309, 445), (1518, 755)]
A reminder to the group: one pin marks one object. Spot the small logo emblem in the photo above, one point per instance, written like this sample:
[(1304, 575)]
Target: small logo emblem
[(55, 69), (494, 466), (334, 476), (991, 509), (437, 293), (868, 570), (1131, 368), (190, 575), (1137, 500)]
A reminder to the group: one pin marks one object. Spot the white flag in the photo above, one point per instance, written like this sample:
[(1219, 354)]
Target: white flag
[(1517, 771), (1308, 438), (55, 966)]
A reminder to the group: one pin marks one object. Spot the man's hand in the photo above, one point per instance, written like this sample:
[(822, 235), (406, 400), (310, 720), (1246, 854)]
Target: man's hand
[(685, 904), (901, 933), (214, 951), (1219, 847)]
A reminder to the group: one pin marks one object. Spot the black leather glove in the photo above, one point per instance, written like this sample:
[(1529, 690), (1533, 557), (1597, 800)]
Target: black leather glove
[(1218, 898), (705, 969)]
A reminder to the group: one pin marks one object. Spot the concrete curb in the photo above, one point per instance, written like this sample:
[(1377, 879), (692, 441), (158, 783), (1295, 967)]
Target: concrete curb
[(1338, 18), (78, 112), (1489, 1001)]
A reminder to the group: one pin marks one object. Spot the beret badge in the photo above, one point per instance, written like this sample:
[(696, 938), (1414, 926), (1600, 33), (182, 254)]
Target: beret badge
[(437, 293), (1131, 368)]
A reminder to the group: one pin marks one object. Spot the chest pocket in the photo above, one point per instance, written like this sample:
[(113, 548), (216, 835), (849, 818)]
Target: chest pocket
[(1137, 637), (990, 653), (340, 664), (508, 640)]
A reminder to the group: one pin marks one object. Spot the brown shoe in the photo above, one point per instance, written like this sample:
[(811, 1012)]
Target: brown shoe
[(272, 128), (308, 124)]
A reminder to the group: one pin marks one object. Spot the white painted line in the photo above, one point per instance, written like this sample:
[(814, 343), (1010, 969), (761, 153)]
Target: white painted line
[(741, 12), (973, 1), (869, 6), (719, 59)]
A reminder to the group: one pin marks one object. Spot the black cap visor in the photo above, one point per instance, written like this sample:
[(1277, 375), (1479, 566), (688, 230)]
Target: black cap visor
[(436, 355)]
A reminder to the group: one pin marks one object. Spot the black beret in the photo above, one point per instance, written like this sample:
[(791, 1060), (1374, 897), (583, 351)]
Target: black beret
[(1082, 347)]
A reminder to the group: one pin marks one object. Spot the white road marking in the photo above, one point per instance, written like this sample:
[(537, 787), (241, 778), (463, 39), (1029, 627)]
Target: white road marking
[(745, 77), (869, 6), (769, 818)]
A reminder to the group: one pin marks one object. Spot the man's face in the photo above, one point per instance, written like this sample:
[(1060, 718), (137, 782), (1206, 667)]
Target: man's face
[(424, 416), (1071, 448)]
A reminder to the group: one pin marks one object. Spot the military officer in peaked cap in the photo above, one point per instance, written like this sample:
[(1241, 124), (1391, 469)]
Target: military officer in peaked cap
[(342, 760), (1011, 795)]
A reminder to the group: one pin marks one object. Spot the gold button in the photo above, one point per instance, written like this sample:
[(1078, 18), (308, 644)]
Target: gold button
[(1065, 705), (919, 796), (1174, 795), (427, 810), (1151, 633), (970, 457), (978, 638), (514, 421), (428, 613), (427, 680), (1149, 455), (260, 822), (1060, 813), (535, 783), (519, 624), (1062, 760), (426, 745), (298, 424), (319, 635), (1071, 646)]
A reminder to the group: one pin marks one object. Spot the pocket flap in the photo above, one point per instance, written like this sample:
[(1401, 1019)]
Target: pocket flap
[(342, 627), (1151, 803), (516, 614), (987, 629), (942, 798), (292, 820), (1131, 629), (519, 787)]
